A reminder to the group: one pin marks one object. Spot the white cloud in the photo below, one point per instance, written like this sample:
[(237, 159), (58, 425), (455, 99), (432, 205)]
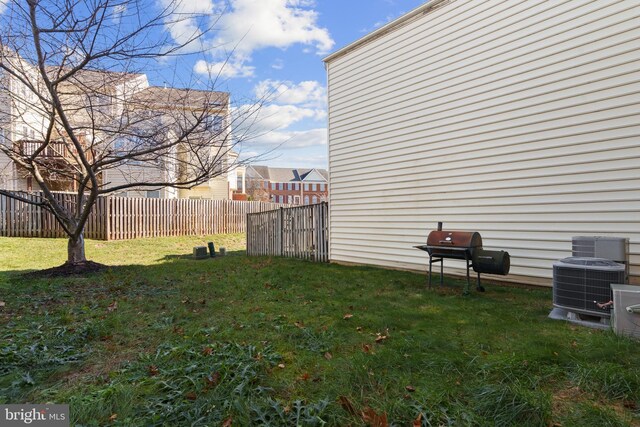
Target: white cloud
[(244, 26), (278, 64), (294, 139), (272, 117), (184, 24), (308, 93), (252, 25), (223, 69)]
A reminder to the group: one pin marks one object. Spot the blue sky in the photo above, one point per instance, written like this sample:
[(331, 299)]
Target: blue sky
[(276, 47)]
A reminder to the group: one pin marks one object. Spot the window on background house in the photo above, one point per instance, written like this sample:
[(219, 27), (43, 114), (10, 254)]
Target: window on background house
[(296, 200), (313, 187), (153, 194), (289, 199), (289, 186), (315, 199), (306, 187), (273, 185), (306, 200), (214, 123), (281, 199), (321, 187), (273, 198), (296, 186)]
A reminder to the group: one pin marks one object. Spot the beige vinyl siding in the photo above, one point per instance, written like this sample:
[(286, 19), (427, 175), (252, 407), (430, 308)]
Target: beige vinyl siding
[(518, 119), (126, 174)]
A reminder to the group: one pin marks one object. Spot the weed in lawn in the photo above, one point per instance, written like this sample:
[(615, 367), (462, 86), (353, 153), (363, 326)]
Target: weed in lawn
[(586, 414), (200, 384), (606, 378), (512, 405), (30, 353)]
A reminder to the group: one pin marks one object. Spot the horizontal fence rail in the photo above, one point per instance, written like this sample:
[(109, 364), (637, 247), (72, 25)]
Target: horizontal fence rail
[(122, 218), (297, 232)]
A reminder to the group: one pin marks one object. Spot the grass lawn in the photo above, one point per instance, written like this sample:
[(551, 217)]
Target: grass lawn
[(161, 339)]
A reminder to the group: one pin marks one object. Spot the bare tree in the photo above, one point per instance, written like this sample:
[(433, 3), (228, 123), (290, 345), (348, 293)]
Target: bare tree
[(75, 108)]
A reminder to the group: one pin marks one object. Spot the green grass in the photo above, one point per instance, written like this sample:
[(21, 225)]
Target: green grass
[(161, 339)]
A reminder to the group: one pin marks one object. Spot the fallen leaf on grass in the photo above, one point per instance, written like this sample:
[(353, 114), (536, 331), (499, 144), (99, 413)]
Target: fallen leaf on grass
[(113, 417), (347, 316), (191, 396), (228, 422), (359, 329), (2, 304), (112, 307), (347, 405), (380, 338), (328, 356), (207, 351), (304, 377), (213, 379), (410, 388), (418, 421), (299, 325), (281, 366), (366, 348), (153, 370), (370, 417)]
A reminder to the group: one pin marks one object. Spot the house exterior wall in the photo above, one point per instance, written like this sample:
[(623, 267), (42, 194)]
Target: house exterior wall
[(291, 192), (518, 119)]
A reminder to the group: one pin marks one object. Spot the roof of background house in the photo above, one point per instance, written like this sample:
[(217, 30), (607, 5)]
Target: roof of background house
[(93, 79), (172, 97), (287, 174)]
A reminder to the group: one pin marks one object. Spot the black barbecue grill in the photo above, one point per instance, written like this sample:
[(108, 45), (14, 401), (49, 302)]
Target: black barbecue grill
[(467, 246)]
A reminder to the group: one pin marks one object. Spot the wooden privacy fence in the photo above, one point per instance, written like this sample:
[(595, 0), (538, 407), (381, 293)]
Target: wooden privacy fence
[(121, 218), (297, 232)]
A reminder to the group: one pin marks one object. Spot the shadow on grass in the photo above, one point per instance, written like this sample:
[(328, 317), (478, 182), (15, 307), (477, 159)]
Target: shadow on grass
[(190, 257)]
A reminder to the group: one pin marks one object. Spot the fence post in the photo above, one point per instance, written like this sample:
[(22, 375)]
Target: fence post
[(281, 231)]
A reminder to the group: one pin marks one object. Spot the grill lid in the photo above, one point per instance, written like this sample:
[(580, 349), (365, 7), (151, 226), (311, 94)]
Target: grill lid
[(454, 239)]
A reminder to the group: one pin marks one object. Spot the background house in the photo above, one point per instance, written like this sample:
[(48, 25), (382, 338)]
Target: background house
[(99, 100), (284, 185), (518, 119)]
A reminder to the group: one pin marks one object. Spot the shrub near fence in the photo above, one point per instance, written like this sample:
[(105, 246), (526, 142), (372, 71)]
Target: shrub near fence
[(296, 232), (121, 218)]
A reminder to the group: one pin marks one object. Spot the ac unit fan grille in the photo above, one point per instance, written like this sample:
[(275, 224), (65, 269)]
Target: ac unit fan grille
[(576, 289)]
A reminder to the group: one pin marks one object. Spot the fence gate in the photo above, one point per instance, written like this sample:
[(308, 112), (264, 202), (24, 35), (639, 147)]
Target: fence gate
[(298, 232)]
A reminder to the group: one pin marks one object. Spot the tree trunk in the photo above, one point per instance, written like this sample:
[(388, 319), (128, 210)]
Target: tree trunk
[(75, 250)]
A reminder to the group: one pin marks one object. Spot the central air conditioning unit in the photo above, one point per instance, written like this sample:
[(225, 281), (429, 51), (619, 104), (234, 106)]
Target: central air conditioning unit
[(613, 248), (579, 284), (626, 311)]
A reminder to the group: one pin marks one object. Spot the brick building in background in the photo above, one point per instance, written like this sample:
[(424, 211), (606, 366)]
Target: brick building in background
[(284, 185)]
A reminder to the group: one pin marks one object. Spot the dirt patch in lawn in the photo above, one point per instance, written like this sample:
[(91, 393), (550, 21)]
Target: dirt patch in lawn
[(67, 269)]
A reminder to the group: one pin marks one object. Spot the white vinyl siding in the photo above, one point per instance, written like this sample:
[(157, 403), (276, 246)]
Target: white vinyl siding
[(518, 119)]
